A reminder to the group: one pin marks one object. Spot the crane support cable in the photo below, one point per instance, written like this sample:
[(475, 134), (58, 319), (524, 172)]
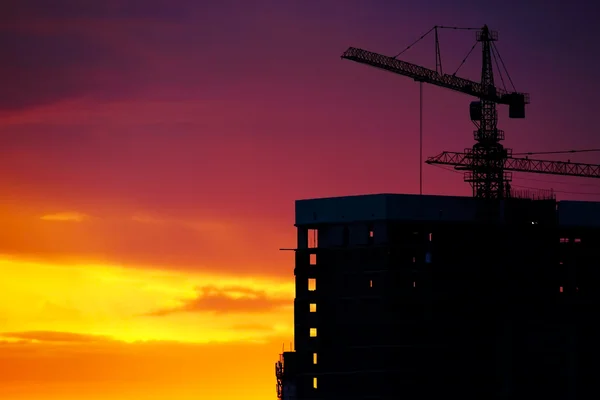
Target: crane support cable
[(465, 59), (503, 65), (431, 30), (415, 42), (499, 69)]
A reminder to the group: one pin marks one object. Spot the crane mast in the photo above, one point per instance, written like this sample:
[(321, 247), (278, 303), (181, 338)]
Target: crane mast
[(487, 177)]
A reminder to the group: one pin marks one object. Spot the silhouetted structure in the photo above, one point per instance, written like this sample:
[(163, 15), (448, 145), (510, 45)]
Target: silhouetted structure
[(417, 297), (488, 162)]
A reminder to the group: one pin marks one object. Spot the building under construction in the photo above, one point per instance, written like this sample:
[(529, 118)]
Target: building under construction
[(408, 296), (430, 297)]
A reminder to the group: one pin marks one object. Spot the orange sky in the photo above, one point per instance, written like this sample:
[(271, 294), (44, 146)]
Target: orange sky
[(103, 297), (151, 152), (94, 331)]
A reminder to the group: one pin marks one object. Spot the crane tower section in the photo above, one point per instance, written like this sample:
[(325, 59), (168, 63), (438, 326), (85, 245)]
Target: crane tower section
[(488, 178)]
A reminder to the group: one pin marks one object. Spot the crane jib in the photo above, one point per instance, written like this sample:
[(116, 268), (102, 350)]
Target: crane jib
[(423, 74)]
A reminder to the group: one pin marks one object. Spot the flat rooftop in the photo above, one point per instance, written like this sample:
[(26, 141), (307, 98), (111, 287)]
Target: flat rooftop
[(414, 207)]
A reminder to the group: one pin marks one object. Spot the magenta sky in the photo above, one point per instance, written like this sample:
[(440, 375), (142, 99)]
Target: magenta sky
[(231, 110)]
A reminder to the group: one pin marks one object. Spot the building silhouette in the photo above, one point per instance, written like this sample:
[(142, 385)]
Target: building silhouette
[(418, 297)]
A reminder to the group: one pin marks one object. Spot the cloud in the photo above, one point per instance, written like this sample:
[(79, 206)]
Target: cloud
[(75, 49), (230, 300), (45, 68), (104, 50), (52, 336), (69, 216)]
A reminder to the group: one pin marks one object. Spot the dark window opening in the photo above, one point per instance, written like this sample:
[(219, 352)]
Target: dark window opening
[(346, 237)]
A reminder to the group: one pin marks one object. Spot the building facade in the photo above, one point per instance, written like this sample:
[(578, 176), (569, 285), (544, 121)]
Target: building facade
[(415, 297)]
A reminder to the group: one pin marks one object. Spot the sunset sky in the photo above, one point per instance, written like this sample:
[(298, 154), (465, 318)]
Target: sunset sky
[(152, 150)]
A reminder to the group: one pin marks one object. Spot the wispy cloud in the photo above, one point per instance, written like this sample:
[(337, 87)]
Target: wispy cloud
[(52, 336), (232, 299), (69, 216)]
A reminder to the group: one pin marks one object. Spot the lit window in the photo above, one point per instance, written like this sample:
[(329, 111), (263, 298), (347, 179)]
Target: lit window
[(313, 259), (315, 382), (312, 284), (313, 307), (314, 358), (313, 332), (313, 238)]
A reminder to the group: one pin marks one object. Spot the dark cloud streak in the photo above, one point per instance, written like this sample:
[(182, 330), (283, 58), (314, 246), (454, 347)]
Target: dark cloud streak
[(41, 69), (53, 336), (228, 300), (70, 49)]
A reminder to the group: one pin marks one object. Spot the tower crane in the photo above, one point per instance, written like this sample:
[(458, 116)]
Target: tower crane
[(486, 163)]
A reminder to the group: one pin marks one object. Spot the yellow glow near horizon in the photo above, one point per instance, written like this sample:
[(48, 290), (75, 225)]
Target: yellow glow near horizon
[(115, 301)]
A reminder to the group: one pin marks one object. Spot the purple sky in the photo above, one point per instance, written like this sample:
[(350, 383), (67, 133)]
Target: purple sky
[(231, 110)]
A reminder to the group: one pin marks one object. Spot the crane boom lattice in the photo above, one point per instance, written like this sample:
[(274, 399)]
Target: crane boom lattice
[(426, 75), (466, 161)]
